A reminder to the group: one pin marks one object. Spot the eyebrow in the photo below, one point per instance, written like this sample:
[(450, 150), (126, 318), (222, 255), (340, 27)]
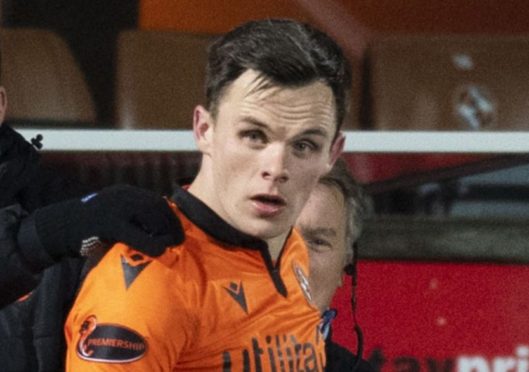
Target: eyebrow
[(258, 123), (315, 131), (325, 231), (254, 121)]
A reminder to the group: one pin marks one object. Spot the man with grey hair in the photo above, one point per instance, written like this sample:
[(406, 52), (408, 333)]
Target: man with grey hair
[(330, 224)]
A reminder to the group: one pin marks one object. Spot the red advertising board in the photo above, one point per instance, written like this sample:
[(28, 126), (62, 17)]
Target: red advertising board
[(439, 317), (368, 168)]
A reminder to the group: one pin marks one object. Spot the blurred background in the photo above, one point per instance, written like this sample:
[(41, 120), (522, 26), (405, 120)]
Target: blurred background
[(443, 275)]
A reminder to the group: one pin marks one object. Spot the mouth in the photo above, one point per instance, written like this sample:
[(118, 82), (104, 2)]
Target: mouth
[(268, 205)]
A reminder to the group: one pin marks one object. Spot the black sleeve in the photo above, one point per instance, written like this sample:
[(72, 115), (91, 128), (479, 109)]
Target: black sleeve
[(19, 274), (25, 184), (339, 359)]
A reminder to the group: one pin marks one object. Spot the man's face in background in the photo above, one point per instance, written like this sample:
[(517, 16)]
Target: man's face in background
[(322, 223)]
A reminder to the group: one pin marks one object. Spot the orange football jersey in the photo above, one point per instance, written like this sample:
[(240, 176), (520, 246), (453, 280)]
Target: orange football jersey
[(216, 302)]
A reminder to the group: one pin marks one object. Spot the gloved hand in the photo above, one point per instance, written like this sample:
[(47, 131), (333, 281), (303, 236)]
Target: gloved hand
[(121, 213), (18, 165)]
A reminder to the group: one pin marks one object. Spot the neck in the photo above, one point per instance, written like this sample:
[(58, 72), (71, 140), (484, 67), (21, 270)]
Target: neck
[(199, 188), (275, 245)]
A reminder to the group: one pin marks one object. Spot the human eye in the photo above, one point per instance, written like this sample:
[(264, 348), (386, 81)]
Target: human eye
[(318, 244), (253, 136), (305, 147)]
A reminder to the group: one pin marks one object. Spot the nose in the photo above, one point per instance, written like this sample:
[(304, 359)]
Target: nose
[(274, 163)]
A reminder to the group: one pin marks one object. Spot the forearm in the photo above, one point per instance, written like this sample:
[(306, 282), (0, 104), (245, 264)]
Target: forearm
[(31, 243)]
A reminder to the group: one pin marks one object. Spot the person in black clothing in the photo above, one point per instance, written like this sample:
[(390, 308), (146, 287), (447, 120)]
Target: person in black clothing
[(330, 223), (38, 276)]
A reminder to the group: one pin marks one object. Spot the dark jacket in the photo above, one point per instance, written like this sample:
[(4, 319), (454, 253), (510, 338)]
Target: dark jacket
[(31, 329), (339, 359)]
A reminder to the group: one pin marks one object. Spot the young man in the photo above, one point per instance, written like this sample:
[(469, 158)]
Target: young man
[(330, 223), (234, 295)]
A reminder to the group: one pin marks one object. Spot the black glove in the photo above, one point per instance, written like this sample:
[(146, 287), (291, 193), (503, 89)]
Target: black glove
[(19, 162), (121, 213)]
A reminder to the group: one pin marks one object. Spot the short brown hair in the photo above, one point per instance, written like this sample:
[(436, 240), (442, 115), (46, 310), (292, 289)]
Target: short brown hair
[(285, 53)]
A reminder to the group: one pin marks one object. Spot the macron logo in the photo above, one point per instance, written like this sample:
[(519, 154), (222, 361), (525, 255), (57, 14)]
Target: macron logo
[(236, 291)]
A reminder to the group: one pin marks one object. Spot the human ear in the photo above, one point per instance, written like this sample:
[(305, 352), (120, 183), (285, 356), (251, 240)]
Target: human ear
[(336, 149), (202, 129)]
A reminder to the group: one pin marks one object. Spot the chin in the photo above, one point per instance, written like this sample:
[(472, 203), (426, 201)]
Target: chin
[(266, 230)]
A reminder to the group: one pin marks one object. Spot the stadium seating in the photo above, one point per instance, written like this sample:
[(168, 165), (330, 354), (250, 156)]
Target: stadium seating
[(449, 82), (43, 81), (159, 78)]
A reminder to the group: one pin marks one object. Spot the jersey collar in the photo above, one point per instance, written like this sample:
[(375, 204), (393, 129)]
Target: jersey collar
[(204, 217)]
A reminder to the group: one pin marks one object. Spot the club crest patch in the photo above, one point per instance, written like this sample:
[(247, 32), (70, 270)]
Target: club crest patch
[(303, 281), (109, 343)]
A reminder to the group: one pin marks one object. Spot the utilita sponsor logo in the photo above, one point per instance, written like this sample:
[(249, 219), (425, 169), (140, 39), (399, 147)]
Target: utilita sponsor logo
[(518, 362), (279, 353)]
